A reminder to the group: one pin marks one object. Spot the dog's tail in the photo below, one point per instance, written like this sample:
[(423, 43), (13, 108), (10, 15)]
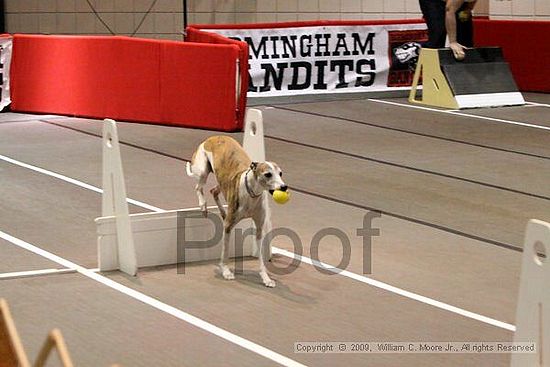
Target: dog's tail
[(189, 169)]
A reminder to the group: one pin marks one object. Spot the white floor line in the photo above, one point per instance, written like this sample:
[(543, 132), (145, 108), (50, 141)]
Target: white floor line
[(454, 112), (348, 274), (72, 181), (34, 273), (184, 316), (537, 104), (37, 273), (396, 290)]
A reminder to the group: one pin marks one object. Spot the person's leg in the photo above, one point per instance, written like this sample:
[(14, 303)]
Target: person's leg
[(434, 15)]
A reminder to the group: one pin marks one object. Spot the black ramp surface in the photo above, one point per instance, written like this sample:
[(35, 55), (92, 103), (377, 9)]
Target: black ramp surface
[(473, 56), (483, 70), (494, 77)]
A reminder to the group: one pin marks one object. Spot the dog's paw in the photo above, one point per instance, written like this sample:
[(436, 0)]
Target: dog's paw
[(270, 283), (227, 274), (204, 212)]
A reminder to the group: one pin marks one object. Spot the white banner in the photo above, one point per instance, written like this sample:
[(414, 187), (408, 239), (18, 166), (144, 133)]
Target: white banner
[(330, 59), (5, 62)]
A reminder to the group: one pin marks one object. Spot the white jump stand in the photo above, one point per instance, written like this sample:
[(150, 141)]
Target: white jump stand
[(127, 242), (533, 310), (114, 203), (253, 139)]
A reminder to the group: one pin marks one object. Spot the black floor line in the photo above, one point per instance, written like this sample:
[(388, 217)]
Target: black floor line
[(328, 198), (357, 156), (121, 142), (15, 121), (41, 119), (413, 220), (412, 132)]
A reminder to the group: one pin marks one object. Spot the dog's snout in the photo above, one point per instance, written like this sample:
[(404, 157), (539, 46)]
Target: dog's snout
[(284, 188)]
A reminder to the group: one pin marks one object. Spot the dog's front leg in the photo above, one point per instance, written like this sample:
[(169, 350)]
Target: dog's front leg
[(224, 269), (260, 223)]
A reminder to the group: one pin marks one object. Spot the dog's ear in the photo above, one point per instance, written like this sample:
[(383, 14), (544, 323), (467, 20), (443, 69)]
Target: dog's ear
[(253, 166)]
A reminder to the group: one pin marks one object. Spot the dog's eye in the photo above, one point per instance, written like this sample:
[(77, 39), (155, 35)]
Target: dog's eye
[(281, 174), (268, 175)]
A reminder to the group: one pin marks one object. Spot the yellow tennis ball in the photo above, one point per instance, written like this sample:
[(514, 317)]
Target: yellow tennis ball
[(280, 197), (464, 15)]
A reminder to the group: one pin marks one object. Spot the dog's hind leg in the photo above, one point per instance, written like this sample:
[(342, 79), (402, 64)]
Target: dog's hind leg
[(199, 168), (216, 194), (200, 195)]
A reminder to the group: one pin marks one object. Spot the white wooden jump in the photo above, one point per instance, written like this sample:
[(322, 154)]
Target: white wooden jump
[(533, 309), (127, 242)]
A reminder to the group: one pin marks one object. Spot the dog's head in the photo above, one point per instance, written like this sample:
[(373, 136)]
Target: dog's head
[(269, 175)]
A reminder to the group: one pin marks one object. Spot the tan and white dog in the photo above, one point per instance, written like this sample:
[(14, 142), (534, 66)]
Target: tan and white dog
[(243, 184)]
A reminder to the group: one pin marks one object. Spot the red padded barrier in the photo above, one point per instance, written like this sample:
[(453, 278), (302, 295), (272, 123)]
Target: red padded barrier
[(202, 94), (524, 44), (198, 36), (124, 78)]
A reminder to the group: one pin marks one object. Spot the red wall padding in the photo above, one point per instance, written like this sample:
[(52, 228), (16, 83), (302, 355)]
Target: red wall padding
[(308, 23), (525, 47), (129, 79)]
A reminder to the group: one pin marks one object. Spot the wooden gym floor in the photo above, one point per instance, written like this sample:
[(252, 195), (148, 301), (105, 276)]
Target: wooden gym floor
[(455, 191)]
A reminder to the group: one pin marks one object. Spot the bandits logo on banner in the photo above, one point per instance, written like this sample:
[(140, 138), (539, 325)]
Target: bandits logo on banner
[(404, 48)]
